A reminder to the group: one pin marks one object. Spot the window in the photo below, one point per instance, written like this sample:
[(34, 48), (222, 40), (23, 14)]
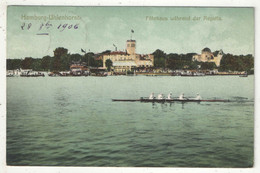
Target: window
[(132, 45)]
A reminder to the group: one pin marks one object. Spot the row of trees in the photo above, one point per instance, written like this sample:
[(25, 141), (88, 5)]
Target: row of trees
[(62, 60), (237, 63), (184, 61)]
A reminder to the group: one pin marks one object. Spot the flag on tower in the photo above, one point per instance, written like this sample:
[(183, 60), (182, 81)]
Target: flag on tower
[(83, 51), (132, 31)]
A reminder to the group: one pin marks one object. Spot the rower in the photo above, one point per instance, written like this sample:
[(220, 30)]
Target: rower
[(169, 96), (151, 96), (181, 97), (198, 97), (160, 96)]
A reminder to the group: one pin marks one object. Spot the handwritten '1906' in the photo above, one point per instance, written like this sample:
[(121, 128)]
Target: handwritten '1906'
[(61, 27)]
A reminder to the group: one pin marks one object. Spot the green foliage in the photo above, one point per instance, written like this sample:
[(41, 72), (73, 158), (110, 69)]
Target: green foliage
[(75, 57), (65, 63), (159, 58), (208, 66), (46, 63), (58, 52), (176, 61), (27, 63), (62, 60), (237, 63), (229, 62), (36, 64), (13, 64), (98, 63), (109, 64)]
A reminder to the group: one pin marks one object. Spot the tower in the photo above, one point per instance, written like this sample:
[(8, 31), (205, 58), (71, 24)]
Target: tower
[(130, 46)]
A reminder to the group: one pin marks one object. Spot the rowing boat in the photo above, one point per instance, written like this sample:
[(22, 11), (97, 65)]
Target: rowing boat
[(168, 100)]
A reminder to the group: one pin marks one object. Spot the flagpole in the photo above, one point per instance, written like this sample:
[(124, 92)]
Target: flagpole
[(132, 31)]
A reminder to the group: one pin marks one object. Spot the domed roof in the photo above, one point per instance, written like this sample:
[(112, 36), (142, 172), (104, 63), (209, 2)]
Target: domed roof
[(206, 49)]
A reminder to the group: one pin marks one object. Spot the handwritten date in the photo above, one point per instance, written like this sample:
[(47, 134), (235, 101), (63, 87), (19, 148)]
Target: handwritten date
[(46, 26)]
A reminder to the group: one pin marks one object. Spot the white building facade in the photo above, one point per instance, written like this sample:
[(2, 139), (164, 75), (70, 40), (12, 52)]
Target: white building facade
[(128, 60)]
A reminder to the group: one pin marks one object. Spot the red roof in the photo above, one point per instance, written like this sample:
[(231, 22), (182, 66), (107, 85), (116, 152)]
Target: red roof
[(116, 53)]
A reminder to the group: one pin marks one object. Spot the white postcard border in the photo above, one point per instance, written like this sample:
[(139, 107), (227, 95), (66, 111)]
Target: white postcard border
[(206, 3)]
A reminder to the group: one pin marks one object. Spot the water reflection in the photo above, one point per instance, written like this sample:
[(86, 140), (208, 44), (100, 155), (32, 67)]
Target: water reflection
[(166, 105), (62, 101)]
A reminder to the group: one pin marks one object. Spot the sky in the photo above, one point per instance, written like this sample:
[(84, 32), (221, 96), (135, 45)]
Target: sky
[(96, 29)]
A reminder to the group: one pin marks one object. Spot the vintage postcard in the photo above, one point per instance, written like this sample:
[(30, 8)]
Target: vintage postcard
[(130, 86)]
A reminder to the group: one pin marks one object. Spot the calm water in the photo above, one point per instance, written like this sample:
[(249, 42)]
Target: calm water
[(72, 121)]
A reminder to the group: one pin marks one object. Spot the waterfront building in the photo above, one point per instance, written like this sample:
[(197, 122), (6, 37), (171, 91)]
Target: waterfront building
[(78, 68), (128, 60), (207, 56)]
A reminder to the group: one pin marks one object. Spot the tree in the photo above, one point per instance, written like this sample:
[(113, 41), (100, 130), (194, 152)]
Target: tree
[(236, 63), (75, 57), (159, 58), (175, 61), (58, 52), (91, 59), (57, 64), (46, 60), (60, 57), (65, 62), (98, 63), (194, 65), (36, 64), (208, 66), (27, 63), (12, 64), (109, 64)]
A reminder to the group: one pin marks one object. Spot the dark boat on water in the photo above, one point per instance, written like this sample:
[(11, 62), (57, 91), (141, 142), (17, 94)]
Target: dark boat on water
[(33, 75), (169, 100)]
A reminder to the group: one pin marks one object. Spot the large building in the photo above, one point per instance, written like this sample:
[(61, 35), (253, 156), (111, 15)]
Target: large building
[(128, 60), (208, 56)]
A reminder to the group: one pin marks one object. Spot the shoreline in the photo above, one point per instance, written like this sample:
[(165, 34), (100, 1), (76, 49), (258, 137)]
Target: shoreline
[(148, 75)]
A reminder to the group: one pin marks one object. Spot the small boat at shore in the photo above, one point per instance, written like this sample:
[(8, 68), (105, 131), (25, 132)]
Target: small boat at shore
[(197, 74), (243, 75), (33, 75), (10, 75), (99, 74), (30, 73), (169, 100)]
